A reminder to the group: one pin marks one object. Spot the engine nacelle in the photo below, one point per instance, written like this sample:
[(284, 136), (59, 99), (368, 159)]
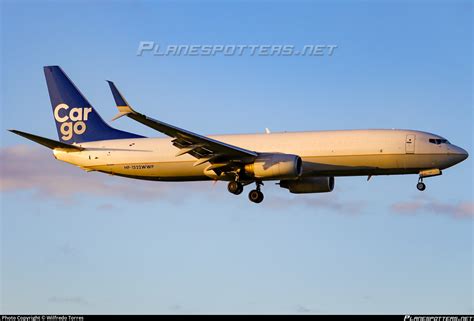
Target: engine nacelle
[(275, 166), (309, 185)]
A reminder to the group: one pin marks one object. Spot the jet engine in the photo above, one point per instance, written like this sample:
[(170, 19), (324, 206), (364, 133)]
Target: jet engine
[(309, 185), (275, 166)]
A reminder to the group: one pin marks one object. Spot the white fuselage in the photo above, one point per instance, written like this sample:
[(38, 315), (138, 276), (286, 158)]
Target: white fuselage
[(324, 153)]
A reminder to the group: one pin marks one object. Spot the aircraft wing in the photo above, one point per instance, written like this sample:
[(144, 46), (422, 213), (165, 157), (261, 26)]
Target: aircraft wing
[(205, 149)]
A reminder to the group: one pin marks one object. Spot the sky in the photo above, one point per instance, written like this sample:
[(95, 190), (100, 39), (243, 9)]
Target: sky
[(77, 242)]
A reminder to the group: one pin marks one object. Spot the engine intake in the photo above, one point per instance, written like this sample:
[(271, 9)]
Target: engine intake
[(276, 166), (309, 185)]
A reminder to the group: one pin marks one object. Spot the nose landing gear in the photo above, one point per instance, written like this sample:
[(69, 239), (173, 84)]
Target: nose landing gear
[(421, 186), (427, 173)]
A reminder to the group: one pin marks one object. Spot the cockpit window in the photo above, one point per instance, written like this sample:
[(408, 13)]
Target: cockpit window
[(438, 141)]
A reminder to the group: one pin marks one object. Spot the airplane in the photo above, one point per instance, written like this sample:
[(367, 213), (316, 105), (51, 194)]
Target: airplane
[(301, 162)]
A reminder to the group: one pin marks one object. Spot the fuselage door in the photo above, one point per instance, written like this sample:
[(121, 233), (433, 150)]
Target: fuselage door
[(410, 144)]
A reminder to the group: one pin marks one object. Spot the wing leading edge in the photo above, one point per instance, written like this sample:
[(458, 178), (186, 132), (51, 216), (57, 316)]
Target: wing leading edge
[(218, 154)]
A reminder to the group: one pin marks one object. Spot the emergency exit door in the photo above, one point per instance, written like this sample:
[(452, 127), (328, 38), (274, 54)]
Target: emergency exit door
[(410, 144)]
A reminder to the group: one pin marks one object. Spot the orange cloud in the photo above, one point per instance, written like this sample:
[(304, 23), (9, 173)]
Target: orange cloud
[(34, 168), (427, 205)]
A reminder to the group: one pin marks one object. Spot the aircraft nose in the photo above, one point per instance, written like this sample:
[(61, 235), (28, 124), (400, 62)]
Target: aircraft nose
[(459, 153)]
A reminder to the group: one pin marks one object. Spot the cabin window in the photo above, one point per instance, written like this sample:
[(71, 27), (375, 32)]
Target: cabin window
[(438, 141)]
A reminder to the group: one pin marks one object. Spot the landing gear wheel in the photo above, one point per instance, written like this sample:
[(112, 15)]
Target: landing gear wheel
[(235, 187), (421, 186), (256, 196)]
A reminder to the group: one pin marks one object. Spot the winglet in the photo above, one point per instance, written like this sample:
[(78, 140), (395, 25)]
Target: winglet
[(122, 105)]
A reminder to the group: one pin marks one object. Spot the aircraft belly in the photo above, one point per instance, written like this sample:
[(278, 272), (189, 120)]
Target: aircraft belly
[(348, 165), (158, 170)]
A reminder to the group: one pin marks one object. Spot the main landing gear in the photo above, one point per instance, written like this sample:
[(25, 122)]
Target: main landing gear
[(236, 188), (256, 195)]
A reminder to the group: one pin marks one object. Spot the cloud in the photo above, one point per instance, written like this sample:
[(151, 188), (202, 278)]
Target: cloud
[(66, 255), (327, 201), (67, 250), (180, 309), (176, 307), (107, 207), (459, 210), (33, 168), (304, 309)]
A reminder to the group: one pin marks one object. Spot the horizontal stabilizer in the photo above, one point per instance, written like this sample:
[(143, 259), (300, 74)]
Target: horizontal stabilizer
[(53, 144)]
